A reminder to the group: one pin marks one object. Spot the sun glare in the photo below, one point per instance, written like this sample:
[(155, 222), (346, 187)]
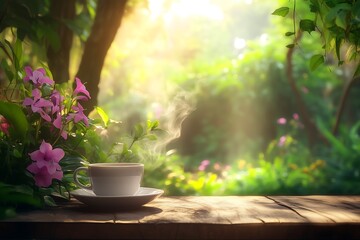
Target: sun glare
[(186, 8)]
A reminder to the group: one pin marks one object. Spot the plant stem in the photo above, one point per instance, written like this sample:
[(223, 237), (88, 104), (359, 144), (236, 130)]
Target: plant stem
[(37, 130), (294, 22), (310, 128)]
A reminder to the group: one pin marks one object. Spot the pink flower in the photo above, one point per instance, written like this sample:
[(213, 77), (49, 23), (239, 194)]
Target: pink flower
[(56, 100), (203, 165), (38, 77), (42, 176), (59, 125), (305, 90), (282, 141), (78, 115), (80, 88), (48, 157), (38, 104), (296, 116), (46, 164), (4, 125), (281, 121)]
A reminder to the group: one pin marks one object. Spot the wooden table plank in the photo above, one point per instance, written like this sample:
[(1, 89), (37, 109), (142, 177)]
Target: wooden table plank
[(229, 217), (221, 210), (324, 209)]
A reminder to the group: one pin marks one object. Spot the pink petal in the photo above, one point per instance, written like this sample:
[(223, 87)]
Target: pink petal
[(36, 76), (45, 116), (41, 163), (43, 103), (27, 101), (82, 98), (80, 88), (36, 93), (46, 80), (57, 122), (57, 154), (85, 120), (35, 108), (202, 168), (77, 117), (51, 168), (42, 70), (64, 135), (29, 72), (37, 155), (281, 121), (78, 108), (43, 178), (70, 117), (33, 168), (58, 175), (45, 147)]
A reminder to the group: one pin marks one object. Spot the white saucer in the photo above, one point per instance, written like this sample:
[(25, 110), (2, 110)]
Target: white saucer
[(143, 196)]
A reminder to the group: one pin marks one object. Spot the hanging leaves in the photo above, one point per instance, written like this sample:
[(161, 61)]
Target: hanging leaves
[(307, 25), (315, 61), (283, 11)]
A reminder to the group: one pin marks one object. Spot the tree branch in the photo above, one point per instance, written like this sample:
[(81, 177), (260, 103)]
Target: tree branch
[(344, 97), (310, 128)]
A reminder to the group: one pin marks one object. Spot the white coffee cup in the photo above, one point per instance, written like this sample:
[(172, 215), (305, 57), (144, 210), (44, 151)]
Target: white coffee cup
[(112, 179)]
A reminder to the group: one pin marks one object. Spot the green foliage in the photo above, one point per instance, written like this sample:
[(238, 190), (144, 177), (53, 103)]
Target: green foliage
[(283, 11), (307, 25), (337, 22), (19, 124), (103, 115), (23, 130), (141, 134), (13, 195), (315, 61), (239, 96)]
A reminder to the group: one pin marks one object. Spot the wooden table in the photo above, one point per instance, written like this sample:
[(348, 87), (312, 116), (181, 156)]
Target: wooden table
[(230, 217)]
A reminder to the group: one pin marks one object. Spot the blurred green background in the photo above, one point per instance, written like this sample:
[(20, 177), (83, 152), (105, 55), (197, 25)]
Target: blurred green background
[(214, 74)]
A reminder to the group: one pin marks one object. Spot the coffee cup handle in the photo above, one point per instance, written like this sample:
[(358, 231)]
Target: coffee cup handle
[(77, 182)]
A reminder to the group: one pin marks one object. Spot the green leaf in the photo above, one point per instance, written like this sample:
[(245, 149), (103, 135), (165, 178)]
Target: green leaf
[(336, 144), (307, 25), (338, 31), (17, 119), (5, 66), (49, 201), (152, 125), (314, 6), (289, 34), (139, 131), (356, 10), (103, 115), (151, 137), (16, 153), (315, 61), (18, 51), (290, 45), (283, 11), (49, 74)]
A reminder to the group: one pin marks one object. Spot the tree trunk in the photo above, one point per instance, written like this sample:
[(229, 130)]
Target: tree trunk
[(58, 59), (107, 21)]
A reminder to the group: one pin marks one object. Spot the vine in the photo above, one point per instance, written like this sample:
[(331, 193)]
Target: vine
[(338, 22)]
